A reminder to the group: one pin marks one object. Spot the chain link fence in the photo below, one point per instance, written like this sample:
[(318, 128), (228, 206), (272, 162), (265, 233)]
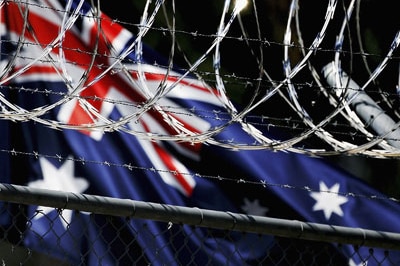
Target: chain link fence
[(104, 231)]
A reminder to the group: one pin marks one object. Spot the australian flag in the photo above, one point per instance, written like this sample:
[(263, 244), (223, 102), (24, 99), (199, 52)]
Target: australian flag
[(118, 104)]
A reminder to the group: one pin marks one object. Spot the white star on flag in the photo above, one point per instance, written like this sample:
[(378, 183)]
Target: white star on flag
[(362, 263), (328, 200), (254, 207), (61, 179)]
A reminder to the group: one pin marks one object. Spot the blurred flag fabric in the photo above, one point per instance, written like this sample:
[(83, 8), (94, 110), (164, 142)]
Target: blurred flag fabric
[(119, 164)]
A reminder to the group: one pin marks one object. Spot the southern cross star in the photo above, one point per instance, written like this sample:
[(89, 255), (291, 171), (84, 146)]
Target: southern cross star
[(61, 179), (328, 200), (253, 207)]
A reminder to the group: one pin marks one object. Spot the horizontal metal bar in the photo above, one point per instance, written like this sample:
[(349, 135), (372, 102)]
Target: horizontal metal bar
[(199, 217)]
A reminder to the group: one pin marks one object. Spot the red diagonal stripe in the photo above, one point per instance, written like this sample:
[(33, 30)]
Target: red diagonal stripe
[(73, 49)]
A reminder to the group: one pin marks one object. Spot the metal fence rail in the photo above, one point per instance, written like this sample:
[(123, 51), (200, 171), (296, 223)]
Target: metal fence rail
[(180, 216), (198, 217)]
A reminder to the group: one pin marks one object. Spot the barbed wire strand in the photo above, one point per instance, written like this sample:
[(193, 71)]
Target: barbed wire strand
[(233, 179)]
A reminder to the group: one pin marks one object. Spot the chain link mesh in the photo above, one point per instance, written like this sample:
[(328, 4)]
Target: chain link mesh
[(122, 242)]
